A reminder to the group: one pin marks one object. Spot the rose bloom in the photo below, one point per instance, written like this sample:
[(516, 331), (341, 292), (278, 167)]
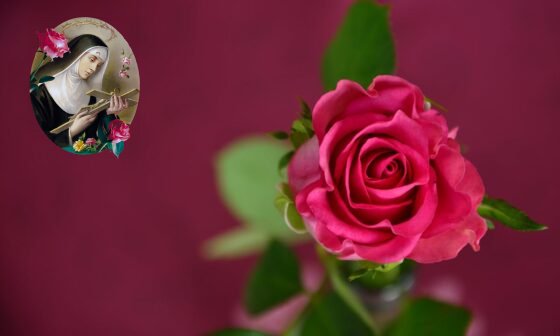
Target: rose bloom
[(118, 131), (91, 142), (383, 178), (125, 60), (52, 43), (123, 74), (79, 145)]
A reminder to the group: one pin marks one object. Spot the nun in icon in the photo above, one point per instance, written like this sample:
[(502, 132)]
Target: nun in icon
[(59, 101)]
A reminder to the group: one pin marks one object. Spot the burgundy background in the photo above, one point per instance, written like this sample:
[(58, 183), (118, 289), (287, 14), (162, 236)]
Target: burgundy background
[(100, 246)]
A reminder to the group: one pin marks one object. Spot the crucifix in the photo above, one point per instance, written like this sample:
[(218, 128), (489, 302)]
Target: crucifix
[(103, 102)]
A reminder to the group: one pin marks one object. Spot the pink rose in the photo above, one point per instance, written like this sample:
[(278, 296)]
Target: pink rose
[(118, 131), (383, 180), (52, 43), (91, 142), (125, 60), (123, 74)]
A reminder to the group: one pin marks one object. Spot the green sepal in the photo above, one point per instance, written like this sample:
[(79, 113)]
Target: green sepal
[(284, 203), (302, 130), (366, 268)]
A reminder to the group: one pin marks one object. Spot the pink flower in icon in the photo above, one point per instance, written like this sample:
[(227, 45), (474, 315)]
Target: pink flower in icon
[(125, 65), (53, 43), (123, 74), (118, 131), (91, 142)]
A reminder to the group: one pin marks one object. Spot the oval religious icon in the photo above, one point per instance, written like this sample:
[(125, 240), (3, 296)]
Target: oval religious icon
[(84, 86)]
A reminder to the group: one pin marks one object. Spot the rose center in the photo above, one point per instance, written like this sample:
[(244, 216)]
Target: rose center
[(383, 166)]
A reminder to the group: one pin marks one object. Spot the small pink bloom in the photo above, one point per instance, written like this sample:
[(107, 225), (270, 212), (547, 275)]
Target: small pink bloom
[(125, 60), (91, 142), (123, 74), (52, 43), (383, 179), (118, 131)]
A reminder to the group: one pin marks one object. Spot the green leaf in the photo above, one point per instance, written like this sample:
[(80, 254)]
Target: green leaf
[(117, 148), (500, 210), (103, 129), (342, 288), (238, 332), (362, 48), (45, 79), (298, 138), (331, 316), (308, 126), (431, 318), (285, 160), (489, 224), (305, 110), (235, 243), (302, 126), (275, 279), (33, 87), (280, 135), (302, 130), (247, 177)]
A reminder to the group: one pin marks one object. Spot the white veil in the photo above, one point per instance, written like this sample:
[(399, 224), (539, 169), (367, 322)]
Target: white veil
[(68, 89)]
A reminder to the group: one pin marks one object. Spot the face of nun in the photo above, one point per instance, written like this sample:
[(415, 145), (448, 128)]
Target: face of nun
[(89, 63)]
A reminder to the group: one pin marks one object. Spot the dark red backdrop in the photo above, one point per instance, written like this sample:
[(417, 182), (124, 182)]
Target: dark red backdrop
[(100, 246)]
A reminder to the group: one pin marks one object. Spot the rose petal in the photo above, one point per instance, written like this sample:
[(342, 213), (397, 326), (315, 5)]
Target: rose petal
[(395, 93), (422, 215), (330, 212), (435, 127), (337, 142), (394, 249), (334, 103), (304, 166), (471, 184), (453, 205), (448, 244)]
